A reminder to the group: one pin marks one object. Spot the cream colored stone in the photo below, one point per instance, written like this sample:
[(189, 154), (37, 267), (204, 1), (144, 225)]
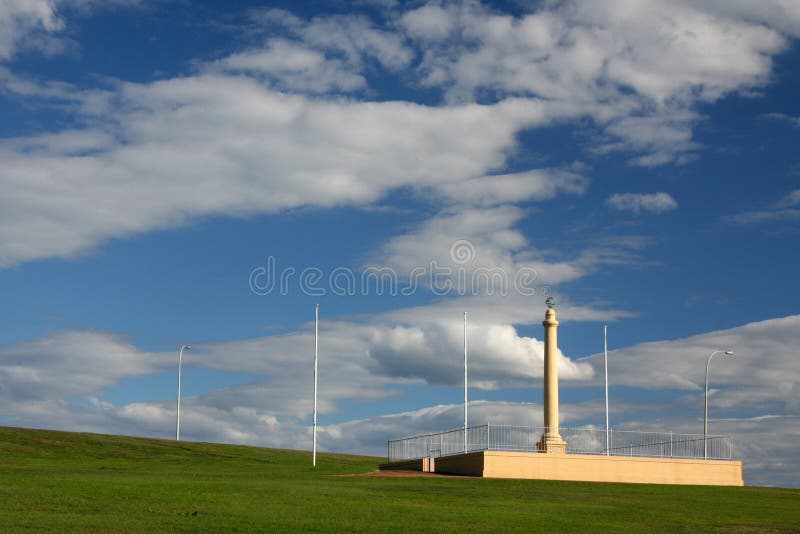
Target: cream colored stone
[(590, 468), (551, 441), (555, 464)]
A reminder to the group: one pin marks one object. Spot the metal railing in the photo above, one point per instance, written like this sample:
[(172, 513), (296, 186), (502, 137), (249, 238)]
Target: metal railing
[(580, 440)]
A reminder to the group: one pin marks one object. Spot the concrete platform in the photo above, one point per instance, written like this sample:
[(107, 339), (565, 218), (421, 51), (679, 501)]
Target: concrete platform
[(419, 464), (582, 467)]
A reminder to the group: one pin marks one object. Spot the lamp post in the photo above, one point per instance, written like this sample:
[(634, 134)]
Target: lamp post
[(178, 417), (705, 411)]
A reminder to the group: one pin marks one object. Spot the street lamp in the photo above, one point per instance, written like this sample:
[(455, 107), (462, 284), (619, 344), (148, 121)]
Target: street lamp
[(178, 421), (705, 412)]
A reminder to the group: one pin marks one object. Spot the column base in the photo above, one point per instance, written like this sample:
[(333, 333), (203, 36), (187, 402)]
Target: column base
[(552, 444)]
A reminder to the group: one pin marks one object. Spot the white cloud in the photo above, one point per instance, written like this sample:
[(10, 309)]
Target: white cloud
[(220, 144), (792, 199), (539, 184), (430, 22), (765, 462), (783, 117), (56, 381), (21, 19), (370, 435), (476, 251), (636, 203), (38, 24), (499, 355), (751, 218), (199, 422), (296, 68), (772, 461), (761, 380), (360, 359), (330, 53), (226, 141), (661, 137), (636, 68), (785, 210), (763, 375), (493, 309), (69, 363), (783, 15)]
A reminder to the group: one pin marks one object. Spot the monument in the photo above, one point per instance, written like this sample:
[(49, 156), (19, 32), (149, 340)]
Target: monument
[(489, 456), (551, 441)]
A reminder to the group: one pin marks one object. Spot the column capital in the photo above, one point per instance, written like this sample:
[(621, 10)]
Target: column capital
[(550, 318)]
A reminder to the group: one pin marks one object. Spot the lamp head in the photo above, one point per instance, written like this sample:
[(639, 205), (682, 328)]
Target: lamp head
[(186, 347), (728, 353)]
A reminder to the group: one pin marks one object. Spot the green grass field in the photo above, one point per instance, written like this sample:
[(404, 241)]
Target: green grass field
[(87, 482)]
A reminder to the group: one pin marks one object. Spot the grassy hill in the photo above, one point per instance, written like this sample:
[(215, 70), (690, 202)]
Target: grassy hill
[(65, 481)]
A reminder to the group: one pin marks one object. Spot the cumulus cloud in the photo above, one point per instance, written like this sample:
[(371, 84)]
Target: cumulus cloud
[(266, 128), (24, 22), (498, 354), (69, 363), (218, 144), (476, 251), (539, 184), (362, 360), (765, 462), (322, 55), (763, 374), (295, 67), (752, 394), (199, 422), (39, 24), (257, 131), (648, 62), (662, 138), (636, 203)]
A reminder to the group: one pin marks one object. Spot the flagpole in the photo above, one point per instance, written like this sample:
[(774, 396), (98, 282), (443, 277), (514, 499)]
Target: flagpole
[(465, 382), (605, 368), (316, 348), (178, 410)]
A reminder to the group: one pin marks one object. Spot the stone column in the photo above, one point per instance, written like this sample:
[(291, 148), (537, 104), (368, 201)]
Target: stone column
[(551, 441)]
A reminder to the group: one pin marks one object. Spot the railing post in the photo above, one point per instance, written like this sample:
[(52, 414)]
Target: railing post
[(582, 440), (611, 441)]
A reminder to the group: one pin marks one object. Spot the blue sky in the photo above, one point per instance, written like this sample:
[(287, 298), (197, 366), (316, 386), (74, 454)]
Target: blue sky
[(637, 161)]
